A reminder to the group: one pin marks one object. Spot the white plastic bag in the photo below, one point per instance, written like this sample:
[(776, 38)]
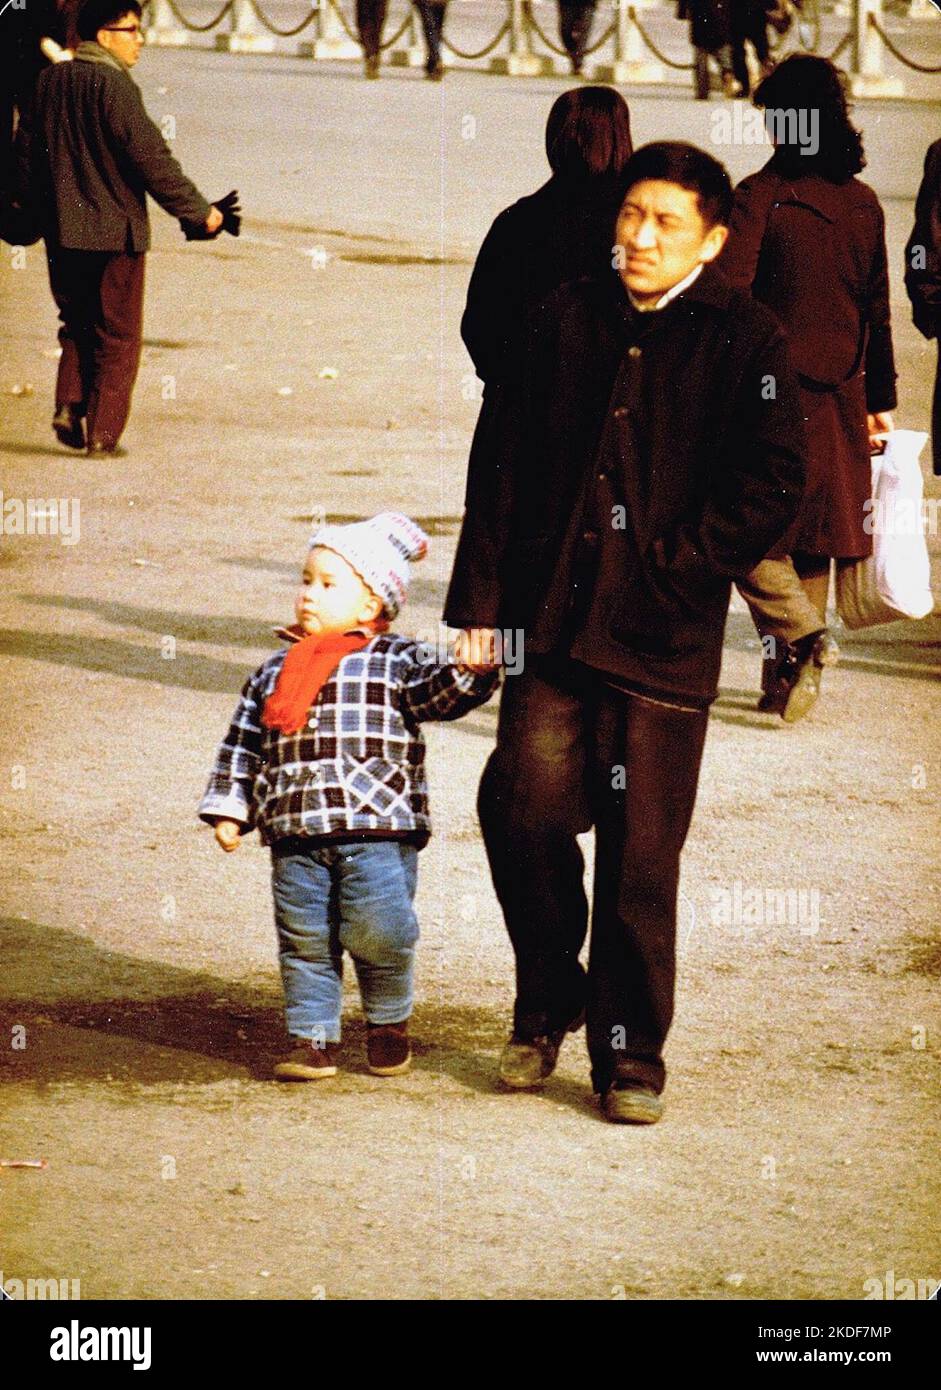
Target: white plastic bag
[(895, 581)]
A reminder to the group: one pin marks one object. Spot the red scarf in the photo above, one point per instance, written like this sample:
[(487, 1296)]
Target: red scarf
[(307, 668)]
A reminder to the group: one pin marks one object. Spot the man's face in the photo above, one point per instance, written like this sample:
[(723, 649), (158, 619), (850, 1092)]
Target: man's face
[(123, 38), (332, 597), (663, 238)]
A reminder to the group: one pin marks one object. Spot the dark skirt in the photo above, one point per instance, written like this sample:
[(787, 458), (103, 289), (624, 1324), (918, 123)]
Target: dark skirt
[(839, 474)]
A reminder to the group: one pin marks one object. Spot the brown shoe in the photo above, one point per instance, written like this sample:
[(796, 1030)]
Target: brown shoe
[(305, 1062), (387, 1048), (625, 1103)]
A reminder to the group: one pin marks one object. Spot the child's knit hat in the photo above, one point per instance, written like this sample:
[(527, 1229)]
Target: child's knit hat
[(379, 551)]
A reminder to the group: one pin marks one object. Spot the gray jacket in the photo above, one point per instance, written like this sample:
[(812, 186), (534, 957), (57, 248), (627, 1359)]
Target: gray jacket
[(92, 154)]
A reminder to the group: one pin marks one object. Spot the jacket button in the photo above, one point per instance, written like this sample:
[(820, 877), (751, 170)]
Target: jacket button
[(634, 351), (620, 411), (590, 537), (312, 723)]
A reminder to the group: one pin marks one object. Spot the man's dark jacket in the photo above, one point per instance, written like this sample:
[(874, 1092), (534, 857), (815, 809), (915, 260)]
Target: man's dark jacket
[(93, 154), (638, 464)]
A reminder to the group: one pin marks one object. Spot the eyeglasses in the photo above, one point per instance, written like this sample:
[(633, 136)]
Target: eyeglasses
[(117, 29)]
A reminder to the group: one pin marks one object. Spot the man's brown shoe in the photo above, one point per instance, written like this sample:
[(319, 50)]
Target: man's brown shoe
[(625, 1103), (387, 1048), (306, 1062), (526, 1062)]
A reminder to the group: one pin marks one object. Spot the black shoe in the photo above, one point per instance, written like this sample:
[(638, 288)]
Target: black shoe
[(527, 1062), (371, 66), (629, 1103), (801, 672), (435, 72), (68, 424)]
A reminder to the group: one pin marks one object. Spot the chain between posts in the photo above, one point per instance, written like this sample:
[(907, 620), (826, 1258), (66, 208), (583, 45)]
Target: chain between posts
[(896, 53), (200, 28), (661, 57), (483, 52), (273, 28)]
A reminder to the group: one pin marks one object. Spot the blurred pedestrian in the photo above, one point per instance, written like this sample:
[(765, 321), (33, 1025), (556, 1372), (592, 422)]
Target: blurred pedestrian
[(923, 276), (562, 231), (22, 29), (750, 25), (807, 238), (370, 18), (575, 30), (91, 154), (710, 33)]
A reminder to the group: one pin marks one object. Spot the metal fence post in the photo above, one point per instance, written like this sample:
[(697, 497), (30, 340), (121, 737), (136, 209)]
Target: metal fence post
[(866, 75)]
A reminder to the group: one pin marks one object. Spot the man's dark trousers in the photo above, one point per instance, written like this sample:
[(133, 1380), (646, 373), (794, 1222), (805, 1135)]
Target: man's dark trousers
[(100, 298), (573, 751)]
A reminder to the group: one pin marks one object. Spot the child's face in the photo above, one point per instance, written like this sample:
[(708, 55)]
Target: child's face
[(332, 597)]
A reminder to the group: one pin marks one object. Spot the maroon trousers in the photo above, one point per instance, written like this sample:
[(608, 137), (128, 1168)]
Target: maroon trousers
[(100, 298)]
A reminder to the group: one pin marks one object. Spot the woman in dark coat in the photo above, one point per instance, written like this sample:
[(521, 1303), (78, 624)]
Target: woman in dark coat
[(561, 232), (808, 238), (923, 276)]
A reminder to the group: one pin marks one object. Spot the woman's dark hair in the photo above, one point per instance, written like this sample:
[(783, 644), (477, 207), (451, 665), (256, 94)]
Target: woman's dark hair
[(588, 133), (99, 14), (812, 89), (673, 161)]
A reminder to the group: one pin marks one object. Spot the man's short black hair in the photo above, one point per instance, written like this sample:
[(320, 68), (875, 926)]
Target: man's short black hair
[(101, 14), (673, 161)]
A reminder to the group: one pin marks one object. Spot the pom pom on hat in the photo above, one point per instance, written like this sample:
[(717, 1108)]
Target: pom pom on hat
[(380, 551)]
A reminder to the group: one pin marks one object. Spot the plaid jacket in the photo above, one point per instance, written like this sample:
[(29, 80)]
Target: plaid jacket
[(359, 765)]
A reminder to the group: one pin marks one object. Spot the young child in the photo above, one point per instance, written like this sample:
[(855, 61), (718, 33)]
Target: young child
[(326, 759)]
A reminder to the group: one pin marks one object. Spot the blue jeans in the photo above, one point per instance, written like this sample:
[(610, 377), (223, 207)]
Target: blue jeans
[(352, 896)]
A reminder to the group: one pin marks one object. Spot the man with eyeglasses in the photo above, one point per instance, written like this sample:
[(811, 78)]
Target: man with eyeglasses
[(90, 154)]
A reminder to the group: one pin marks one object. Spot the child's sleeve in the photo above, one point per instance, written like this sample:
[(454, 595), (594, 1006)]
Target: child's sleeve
[(431, 691), (229, 795)]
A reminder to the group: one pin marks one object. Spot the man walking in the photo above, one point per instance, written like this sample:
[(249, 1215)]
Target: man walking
[(91, 154), (648, 452)]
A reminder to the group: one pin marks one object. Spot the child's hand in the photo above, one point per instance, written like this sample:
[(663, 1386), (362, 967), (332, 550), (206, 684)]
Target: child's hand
[(474, 648), (228, 834)]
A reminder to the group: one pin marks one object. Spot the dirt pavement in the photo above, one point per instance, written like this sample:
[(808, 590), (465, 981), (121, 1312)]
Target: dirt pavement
[(798, 1155)]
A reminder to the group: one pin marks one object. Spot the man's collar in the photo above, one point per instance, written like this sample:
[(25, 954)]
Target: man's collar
[(90, 52), (664, 299), (706, 286)]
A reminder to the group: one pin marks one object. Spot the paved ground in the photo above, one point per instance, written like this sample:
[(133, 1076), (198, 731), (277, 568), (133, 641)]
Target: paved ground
[(798, 1157)]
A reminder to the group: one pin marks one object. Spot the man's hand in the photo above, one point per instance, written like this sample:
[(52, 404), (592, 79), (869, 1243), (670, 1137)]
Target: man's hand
[(474, 648), (213, 221), (228, 834), (878, 424)]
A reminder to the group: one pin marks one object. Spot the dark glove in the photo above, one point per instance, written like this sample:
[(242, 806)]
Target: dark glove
[(231, 220), (231, 212)]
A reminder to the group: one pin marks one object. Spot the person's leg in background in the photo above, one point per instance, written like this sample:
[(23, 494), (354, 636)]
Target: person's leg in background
[(370, 17), (118, 334), (814, 574), (75, 281), (792, 627), (431, 15), (532, 804), (574, 30)]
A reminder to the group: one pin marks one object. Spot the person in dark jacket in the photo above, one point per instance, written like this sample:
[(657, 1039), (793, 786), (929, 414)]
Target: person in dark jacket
[(92, 154), (560, 232), (923, 276), (22, 30), (807, 238), (575, 29), (370, 18), (638, 466), (749, 24)]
